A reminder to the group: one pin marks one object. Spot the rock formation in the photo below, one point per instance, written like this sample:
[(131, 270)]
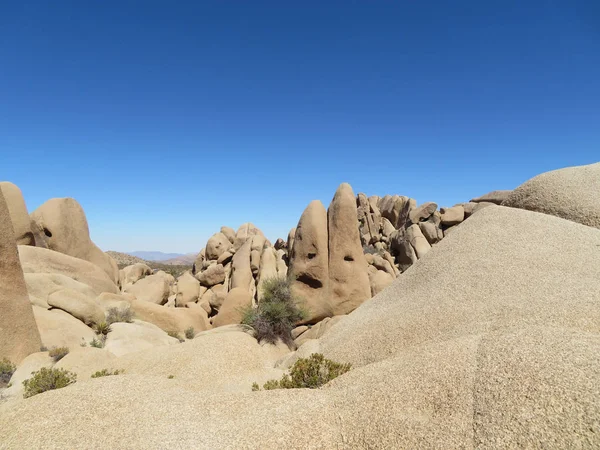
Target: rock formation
[(570, 193), (65, 226), (18, 214), (19, 335)]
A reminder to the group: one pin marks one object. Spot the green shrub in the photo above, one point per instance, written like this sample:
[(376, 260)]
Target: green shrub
[(7, 369), (119, 315), (277, 313), (58, 353), (170, 377), (175, 334), (190, 333), (98, 342), (311, 373), (46, 380), (107, 372), (102, 328)]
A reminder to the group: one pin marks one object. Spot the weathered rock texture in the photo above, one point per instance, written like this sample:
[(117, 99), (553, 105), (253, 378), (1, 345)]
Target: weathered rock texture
[(17, 211), (65, 226), (572, 193), (19, 335)]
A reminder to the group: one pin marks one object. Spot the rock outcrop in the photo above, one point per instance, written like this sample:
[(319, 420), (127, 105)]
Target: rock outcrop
[(570, 193), (308, 270), (66, 229), (19, 335), (348, 277), (17, 211)]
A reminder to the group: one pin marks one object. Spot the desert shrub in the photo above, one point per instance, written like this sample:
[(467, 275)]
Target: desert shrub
[(170, 377), (107, 372), (102, 328), (190, 333), (277, 313), (43, 348), (46, 380), (311, 373), (175, 334), (98, 342), (58, 353), (119, 315), (7, 369)]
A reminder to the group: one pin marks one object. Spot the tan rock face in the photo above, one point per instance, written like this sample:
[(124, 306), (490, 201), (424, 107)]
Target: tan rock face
[(230, 311), (78, 305), (134, 337), (171, 319), (452, 216), (349, 282), (572, 193), (133, 273), (496, 197), (66, 229), (60, 329), (379, 280), (241, 272), (214, 274), (422, 212), (268, 268), (41, 260), (308, 270), (19, 335), (41, 285), (18, 213), (188, 290), (216, 246), (229, 232), (154, 289)]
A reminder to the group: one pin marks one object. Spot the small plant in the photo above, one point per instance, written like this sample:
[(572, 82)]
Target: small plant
[(43, 348), (9, 385), (312, 372), (98, 342), (102, 328), (170, 377), (277, 313), (119, 315), (107, 373), (83, 344), (58, 353), (190, 333), (175, 334), (7, 369), (46, 380)]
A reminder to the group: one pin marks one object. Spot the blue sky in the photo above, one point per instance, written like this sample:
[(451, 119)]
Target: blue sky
[(166, 120)]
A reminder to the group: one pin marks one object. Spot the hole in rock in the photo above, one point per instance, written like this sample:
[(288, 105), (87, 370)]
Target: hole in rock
[(47, 232), (348, 258), (309, 281), (311, 255)]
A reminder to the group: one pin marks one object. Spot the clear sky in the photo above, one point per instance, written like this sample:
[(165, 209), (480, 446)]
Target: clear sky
[(168, 119)]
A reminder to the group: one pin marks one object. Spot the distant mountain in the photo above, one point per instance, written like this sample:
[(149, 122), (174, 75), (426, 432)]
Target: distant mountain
[(155, 256), (183, 260), (124, 259)]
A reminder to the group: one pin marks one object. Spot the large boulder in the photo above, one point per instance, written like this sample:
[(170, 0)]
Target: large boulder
[(241, 272), (134, 337), (17, 211), (133, 273), (41, 260), (188, 290), (216, 246), (268, 268), (41, 285), (60, 329), (214, 274), (572, 193), (496, 197), (231, 310), (308, 270), (19, 335), (154, 288), (348, 278), (66, 229), (78, 305), (171, 319)]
